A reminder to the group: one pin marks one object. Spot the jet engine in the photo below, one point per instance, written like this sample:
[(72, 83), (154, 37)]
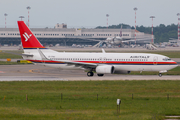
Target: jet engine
[(109, 69), (105, 69)]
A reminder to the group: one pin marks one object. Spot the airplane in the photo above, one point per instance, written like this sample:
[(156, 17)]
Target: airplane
[(101, 63), (113, 40), (118, 39)]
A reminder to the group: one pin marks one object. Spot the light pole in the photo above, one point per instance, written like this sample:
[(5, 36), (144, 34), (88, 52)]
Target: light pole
[(107, 15), (178, 14), (135, 24), (28, 8), (21, 17), (152, 28), (5, 19)]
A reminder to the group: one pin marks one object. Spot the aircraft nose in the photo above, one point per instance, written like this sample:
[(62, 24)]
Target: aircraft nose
[(175, 63)]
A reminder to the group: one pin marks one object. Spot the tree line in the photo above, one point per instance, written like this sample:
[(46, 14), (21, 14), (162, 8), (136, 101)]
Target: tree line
[(162, 33)]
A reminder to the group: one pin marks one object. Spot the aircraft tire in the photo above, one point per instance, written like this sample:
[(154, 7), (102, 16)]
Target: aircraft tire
[(100, 75), (90, 74), (160, 74)]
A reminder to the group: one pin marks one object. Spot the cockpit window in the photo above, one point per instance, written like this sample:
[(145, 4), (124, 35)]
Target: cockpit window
[(166, 59)]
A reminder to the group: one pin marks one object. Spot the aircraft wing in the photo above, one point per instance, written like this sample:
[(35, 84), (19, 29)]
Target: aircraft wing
[(124, 41), (70, 63), (28, 55), (81, 64), (133, 39)]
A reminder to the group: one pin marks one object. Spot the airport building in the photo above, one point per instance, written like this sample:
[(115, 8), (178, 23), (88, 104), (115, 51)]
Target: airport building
[(64, 36), (174, 42)]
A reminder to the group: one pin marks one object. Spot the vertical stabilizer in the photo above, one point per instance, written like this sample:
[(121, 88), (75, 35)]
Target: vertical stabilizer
[(27, 38)]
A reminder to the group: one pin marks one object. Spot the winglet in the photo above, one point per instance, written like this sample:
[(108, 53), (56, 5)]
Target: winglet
[(103, 51), (27, 37)]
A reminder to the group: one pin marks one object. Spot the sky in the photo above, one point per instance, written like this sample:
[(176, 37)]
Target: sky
[(89, 13)]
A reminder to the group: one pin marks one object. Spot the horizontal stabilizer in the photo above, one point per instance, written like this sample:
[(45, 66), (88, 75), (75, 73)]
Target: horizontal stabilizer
[(28, 55)]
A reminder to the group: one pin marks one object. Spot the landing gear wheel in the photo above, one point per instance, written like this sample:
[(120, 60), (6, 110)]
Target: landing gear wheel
[(100, 75), (160, 74), (89, 74)]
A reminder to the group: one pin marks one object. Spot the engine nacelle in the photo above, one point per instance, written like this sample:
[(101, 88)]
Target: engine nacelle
[(105, 69), (122, 72)]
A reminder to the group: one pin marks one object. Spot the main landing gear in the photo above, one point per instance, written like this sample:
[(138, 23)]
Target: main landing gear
[(90, 74), (100, 75)]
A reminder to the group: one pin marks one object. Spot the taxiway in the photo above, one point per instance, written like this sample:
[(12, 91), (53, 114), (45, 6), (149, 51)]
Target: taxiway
[(41, 73)]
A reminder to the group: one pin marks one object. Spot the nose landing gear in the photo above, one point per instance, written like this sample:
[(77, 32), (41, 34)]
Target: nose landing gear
[(160, 74), (100, 75)]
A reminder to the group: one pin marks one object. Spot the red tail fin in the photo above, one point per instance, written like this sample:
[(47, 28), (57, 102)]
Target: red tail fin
[(27, 38)]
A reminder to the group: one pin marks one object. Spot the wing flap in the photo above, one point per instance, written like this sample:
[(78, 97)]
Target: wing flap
[(80, 64)]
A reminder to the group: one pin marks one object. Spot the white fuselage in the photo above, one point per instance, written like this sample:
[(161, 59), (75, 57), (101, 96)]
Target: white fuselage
[(120, 61)]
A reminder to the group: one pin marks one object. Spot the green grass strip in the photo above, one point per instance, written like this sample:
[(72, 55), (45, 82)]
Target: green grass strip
[(76, 100)]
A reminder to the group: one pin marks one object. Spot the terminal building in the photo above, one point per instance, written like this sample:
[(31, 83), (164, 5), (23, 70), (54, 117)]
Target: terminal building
[(174, 42), (64, 36)]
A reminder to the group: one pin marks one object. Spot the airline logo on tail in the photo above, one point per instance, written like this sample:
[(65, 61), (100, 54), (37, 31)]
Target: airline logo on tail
[(26, 36)]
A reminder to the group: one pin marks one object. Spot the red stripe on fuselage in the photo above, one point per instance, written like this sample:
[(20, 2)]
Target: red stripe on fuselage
[(45, 61), (109, 62)]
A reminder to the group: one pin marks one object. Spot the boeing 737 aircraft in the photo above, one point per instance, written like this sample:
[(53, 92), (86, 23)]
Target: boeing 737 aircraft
[(101, 63)]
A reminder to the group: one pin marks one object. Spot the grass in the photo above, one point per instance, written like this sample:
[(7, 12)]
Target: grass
[(4, 55), (79, 100), (10, 63)]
